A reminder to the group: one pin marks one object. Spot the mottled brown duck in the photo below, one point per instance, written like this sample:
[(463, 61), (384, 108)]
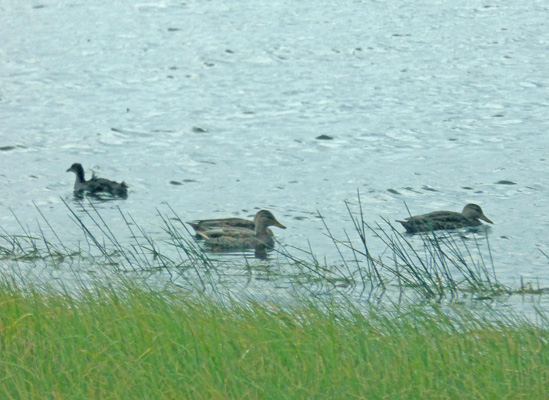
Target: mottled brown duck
[(470, 216), (235, 237)]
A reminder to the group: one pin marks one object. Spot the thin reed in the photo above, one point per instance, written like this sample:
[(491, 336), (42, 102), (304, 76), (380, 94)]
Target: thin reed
[(438, 266), (435, 265)]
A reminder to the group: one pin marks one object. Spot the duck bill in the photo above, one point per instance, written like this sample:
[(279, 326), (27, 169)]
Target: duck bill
[(485, 218), (278, 224)]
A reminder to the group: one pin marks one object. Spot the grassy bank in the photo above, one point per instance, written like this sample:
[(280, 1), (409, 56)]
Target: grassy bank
[(137, 343)]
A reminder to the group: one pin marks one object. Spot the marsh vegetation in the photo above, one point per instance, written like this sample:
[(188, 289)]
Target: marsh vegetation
[(169, 319)]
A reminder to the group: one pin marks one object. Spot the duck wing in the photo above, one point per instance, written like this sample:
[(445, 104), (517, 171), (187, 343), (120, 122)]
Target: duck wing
[(436, 221), (208, 224), (230, 237), (96, 185)]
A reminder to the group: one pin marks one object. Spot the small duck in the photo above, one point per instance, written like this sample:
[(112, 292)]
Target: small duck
[(445, 220), (96, 185), (241, 237)]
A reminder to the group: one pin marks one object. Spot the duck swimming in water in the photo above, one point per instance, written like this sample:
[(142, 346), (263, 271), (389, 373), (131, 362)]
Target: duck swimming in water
[(96, 185), (437, 220), (238, 237)]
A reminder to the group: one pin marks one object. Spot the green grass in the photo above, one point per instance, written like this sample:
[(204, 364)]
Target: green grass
[(207, 338), (136, 343)]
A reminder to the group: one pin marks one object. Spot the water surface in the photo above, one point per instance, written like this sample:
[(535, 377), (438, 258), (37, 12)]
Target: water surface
[(220, 108)]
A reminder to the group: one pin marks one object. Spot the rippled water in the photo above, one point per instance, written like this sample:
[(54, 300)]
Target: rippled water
[(219, 108)]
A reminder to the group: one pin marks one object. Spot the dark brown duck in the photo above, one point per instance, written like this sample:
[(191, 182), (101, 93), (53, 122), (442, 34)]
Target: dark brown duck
[(470, 216), (96, 185)]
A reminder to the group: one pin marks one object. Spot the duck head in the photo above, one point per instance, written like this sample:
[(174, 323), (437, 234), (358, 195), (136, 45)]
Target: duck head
[(78, 170), (473, 211), (263, 219)]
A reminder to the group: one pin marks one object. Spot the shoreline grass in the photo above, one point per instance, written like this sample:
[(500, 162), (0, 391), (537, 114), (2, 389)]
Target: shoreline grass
[(206, 336), (132, 342)]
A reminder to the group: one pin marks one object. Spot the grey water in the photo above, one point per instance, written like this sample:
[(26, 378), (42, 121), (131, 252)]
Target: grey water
[(220, 108)]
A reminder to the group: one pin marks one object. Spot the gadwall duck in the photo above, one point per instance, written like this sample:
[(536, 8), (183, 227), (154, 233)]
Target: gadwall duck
[(96, 185), (445, 220), (242, 237)]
